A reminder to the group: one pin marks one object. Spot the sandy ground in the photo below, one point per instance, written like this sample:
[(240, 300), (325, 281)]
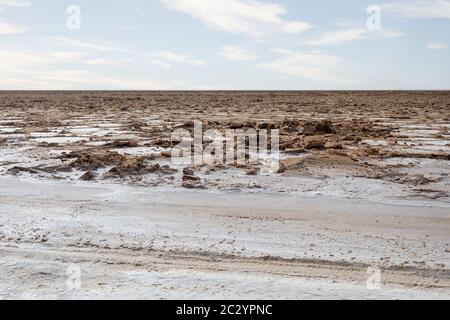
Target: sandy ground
[(133, 242), (86, 188)]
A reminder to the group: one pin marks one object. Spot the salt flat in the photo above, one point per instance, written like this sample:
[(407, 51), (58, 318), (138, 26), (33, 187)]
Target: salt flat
[(93, 205), (138, 242)]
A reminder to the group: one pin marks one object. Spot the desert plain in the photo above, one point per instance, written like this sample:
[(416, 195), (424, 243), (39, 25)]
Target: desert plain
[(92, 205)]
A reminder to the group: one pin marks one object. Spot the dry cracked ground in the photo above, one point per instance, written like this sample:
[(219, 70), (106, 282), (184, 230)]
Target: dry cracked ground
[(86, 179)]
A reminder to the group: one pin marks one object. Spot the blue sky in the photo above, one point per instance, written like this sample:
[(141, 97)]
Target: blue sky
[(224, 44)]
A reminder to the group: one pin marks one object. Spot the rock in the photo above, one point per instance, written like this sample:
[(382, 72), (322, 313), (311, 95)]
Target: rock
[(422, 180), (123, 144), (353, 138), (294, 150), (266, 126), (188, 171), (192, 185), (17, 170), (371, 151), (187, 125), (309, 129), (314, 142), (192, 182), (64, 169), (290, 125), (236, 125), (190, 178), (166, 154), (334, 145), (88, 176), (253, 172), (136, 167), (349, 137), (318, 127), (250, 124), (165, 170), (287, 143), (325, 126), (282, 168), (163, 143)]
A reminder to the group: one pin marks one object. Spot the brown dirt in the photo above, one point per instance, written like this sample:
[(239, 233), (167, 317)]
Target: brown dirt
[(329, 127)]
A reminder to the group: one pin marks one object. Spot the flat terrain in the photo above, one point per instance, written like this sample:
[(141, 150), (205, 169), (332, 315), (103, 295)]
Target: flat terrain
[(132, 242), (86, 181)]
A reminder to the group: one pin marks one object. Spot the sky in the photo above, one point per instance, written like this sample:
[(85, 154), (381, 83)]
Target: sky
[(224, 45)]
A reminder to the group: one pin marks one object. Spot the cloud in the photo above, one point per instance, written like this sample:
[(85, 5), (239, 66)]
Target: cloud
[(160, 63), (167, 56), (249, 17), (10, 28), (233, 53), (80, 79), (18, 61), (419, 9), (68, 56), (436, 45), (107, 62), (7, 27), (347, 35), (68, 42), (295, 26), (34, 71), (15, 3), (313, 66)]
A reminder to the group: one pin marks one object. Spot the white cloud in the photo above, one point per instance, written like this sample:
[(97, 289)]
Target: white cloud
[(68, 42), (68, 56), (170, 56), (347, 35), (15, 3), (159, 63), (233, 53), (338, 37), (436, 45), (80, 79), (420, 9), (7, 27), (10, 28), (295, 27), (17, 61), (34, 71), (107, 62), (248, 17), (313, 66)]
